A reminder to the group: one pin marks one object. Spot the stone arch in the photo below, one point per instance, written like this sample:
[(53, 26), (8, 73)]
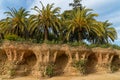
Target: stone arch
[(116, 61), (27, 65), (30, 58), (91, 63), (115, 58), (61, 63), (3, 62)]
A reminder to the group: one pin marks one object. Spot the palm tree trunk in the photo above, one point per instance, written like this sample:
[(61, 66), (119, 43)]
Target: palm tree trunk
[(26, 32), (79, 36), (45, 34)]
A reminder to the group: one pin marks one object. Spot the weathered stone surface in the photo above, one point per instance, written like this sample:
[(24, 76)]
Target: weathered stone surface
[(20, 59)]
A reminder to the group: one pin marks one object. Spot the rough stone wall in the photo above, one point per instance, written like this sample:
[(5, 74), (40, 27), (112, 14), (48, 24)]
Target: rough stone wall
[(25, 59)]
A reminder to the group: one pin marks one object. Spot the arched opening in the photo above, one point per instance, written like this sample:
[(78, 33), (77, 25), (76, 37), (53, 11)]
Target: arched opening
[(30, 59), (27, 65), (115, 64), (3, 62), (91, 63), (115, 59), (60, 64)]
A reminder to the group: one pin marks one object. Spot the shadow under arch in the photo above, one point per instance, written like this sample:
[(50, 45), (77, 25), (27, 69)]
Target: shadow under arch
[(3, 62), (115, 63), (115, 58), (28, 63), (91, 63), (61, 63)]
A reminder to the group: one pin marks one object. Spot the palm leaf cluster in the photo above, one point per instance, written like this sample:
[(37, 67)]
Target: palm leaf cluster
[(48, 24)]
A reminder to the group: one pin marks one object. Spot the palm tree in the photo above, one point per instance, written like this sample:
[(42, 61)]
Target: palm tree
[(96, 32), (33, 28), (47, 21), (109, 34), (15, 23), (102, 33), (80, 24)]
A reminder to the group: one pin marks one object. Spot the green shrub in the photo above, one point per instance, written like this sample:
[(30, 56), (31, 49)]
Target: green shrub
[(13, 37), (76, 43), (11, 69), (116, 46), (105, 45), (1, 41), (11, 72), (50, 42), (93, 45), (50, 70), (81, 65), (114, 68)]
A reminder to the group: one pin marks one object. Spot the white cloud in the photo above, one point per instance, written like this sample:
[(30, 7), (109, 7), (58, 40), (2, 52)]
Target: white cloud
[(96, 3), (57, 3)]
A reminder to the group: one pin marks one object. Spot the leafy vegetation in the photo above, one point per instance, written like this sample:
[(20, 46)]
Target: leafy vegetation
[(50, 70), (104, 46), (114, 68), (49, 26), (13, 38), (81, 65), (11, 70)]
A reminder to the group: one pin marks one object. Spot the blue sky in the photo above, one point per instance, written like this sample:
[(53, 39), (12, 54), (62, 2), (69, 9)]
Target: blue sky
[(107, 9)]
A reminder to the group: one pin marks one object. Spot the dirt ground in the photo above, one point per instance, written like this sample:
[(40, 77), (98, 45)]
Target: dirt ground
[(97, 76)]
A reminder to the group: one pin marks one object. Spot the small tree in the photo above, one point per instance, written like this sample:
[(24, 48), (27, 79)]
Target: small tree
[(76, 4)]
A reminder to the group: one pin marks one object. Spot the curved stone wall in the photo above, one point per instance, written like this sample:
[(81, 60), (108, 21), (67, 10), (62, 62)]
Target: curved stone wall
[(27, 59)]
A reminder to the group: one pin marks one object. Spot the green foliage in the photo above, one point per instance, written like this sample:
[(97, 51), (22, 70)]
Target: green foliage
[(16, 22), (1, 41), (116, 46), (114, 68), (93, 45), (11, 69), (53, 42), (104, 46), (77, 43), (99, 45), (50, 70), (81, 65), (48, 24), (13, 37), (11, 72)]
